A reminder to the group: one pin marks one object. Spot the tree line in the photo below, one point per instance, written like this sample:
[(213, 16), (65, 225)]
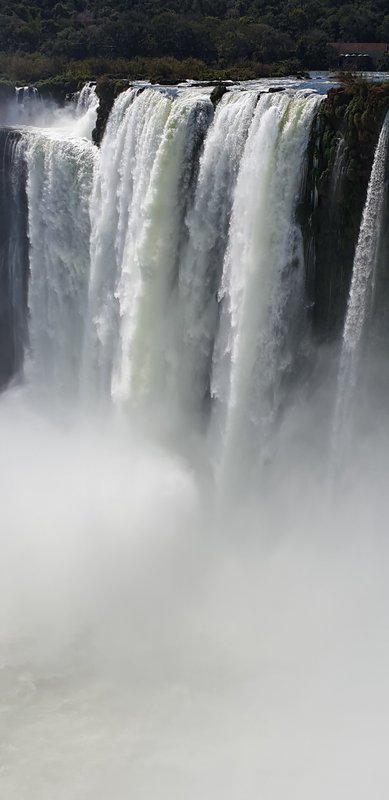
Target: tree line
[(215, 33)]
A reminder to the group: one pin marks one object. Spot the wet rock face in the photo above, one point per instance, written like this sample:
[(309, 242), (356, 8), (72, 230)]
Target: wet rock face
[(107, 91), (340, 159), (13, 256), (217, 94), (7, 92)]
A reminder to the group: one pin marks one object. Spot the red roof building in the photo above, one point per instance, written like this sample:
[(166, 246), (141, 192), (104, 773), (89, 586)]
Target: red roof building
[(359, 51)]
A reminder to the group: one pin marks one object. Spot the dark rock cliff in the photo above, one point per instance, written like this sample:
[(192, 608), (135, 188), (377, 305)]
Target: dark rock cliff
[(340, 158), (13, 256)]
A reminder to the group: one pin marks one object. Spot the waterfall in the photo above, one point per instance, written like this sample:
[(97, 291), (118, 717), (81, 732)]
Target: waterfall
[(13, 254), (167, 268), (201, 261), (27, 99), (185, 612), (367, 247), (87, 103), (262, 286), (360, 296), (26, 94), (60, 173), (75, 116), (138, 206), (27, 106), (86, 98)]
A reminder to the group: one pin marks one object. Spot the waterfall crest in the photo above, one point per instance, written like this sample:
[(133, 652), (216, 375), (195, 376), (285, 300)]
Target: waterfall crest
[(86, 98), (87, 103)]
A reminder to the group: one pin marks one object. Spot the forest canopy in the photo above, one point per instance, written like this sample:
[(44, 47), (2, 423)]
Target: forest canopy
[(215, 33)]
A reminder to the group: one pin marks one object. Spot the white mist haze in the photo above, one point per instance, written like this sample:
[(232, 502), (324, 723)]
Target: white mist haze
[(153, 648), (77, 117)]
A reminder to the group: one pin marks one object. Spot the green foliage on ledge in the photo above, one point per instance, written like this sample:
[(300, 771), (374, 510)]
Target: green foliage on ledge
[(219, 33), (37, 69)]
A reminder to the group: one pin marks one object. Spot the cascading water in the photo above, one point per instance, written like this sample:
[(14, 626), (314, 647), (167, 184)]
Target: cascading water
[(28, 103), (60, 174), (76, 116), (151, 646), (24, 108), (207, 224), (169, 203), (137, 209), (87, 103), (86, 98), (26, 94), (360, 297), (46, 180), (262, 286)]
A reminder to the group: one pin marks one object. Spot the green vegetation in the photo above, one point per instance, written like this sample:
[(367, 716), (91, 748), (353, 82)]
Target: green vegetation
[(45, 72), (150, 38)]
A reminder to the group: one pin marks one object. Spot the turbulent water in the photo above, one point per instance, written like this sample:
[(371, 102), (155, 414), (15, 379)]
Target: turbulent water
[(186, 611)]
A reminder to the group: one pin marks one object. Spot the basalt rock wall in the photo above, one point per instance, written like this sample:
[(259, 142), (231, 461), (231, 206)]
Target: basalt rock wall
[(340, 158)]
